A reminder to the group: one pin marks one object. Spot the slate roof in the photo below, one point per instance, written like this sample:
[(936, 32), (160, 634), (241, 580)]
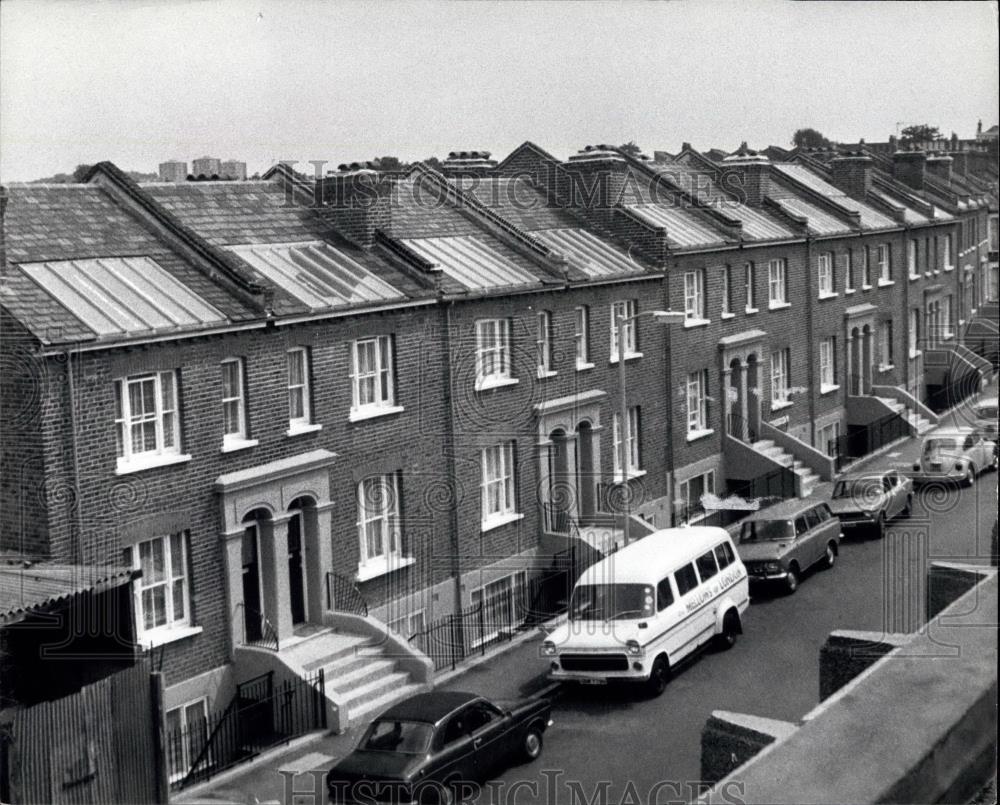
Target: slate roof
[(59, 224), (870, 217), (521, 203)]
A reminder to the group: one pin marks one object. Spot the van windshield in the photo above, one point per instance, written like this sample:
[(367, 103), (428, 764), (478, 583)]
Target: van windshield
[(603, 602), (765, 531)]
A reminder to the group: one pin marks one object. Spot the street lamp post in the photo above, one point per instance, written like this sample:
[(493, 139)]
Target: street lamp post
[(663, 317)]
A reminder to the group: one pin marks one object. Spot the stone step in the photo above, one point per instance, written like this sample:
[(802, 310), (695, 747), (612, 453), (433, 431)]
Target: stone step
[(343, 649), (370, 709), (360, 675), (763, 444), (372, 690)]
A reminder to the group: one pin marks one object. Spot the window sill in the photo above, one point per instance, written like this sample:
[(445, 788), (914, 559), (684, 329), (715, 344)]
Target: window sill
[(629, 356), (233, 445), (373, 412), (914, 277), (779, 405), (383, 567), (495, 382), (915, 353), (583, 366), (500, 520), (849, 291), (695, 435), (866, 287), (828, 295), (141, 464), (751, 310), (778, 305), (727, 315), (298, 430), (543, 374), (886, 367), (886, 283), (692, 323), (162, 637), (936, 272), (828, 388), (928, 274), (632, 475), (948, 269)]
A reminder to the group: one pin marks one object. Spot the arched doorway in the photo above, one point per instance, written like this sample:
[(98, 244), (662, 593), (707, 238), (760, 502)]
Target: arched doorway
[(256, 523), (854, 361), (752, 386), (296, 547), (866, 359), (561, 487), (586, 474), (737, 400)]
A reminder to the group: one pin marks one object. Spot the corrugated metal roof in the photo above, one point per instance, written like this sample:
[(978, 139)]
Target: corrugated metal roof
[(25, 589), (909, 214), (317, 274), (116, 296), (469, 261), (821, 222), (592, 255), (757, 224), (683, 227), (870, 217)]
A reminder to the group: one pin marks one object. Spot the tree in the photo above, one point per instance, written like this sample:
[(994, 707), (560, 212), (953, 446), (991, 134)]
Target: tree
[(80, 172), (810, 138), (631, 148), (919, 133)]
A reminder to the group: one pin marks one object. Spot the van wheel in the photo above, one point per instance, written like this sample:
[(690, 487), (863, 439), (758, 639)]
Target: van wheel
[(726, 639), (792, 579), (658, 677), (830, 556)]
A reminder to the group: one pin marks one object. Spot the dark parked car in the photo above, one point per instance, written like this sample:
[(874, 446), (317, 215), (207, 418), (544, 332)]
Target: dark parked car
[(429, 746)]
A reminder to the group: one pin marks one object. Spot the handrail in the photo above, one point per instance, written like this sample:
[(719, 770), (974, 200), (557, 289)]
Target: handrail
[(268, 634), (343, 595)]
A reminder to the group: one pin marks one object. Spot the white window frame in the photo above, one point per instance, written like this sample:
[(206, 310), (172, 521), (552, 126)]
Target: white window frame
[(694, 296), (378, 374), (184, 728), (543, 344), (866, 269), (777, 284), (885, 336), (827, 365), (946, 317), (914, 332), (380, 542), (164, 417), (628, 308), (235, 400), (824, 270), (300, 389), (849, 271), (750, 279), (884, 264), (498, 485), (911, 258), (174, 582), (780, 387), (708, 487), (581, 337), (493, 363), (727, 289), (632, 444), (697, 404)]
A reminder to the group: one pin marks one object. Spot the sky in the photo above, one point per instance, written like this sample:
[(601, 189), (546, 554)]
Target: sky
[(142, 81)]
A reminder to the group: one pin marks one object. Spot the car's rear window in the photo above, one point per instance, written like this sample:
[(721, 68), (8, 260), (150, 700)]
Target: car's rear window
[(402, 737), (765, 530)]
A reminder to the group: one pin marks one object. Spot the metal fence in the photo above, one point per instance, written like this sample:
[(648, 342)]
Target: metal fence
[(941, 398), (263, 714), (343, 595), (496, 619), (861, 440)]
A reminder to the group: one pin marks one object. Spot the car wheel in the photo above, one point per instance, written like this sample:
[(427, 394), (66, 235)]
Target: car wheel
[(658, 677), (531, 746), (830, 556), (726, 639), (451, 792), (970, 475), (792, 579), (995, 464)]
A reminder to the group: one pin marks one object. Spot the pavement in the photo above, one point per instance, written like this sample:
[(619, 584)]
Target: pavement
[(294, 774)]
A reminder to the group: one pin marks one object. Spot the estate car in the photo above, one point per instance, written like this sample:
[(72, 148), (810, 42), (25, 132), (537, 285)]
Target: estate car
[(869, 500), (779, 543)]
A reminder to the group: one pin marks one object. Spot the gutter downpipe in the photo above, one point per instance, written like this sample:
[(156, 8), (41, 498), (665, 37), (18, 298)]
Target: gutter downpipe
[(76, 519), (456, 561)]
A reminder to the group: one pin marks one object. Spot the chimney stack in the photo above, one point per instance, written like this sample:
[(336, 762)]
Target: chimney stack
[(908, 167), (356, 201), (852, 173), (940, 166), (592, 182), (469, 163), (960, 162), (753, 171)]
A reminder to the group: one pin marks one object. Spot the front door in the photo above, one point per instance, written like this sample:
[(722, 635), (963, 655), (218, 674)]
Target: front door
[(252, 626), (296, 586)]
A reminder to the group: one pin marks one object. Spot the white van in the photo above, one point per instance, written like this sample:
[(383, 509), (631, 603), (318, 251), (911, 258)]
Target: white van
[(635, 614)]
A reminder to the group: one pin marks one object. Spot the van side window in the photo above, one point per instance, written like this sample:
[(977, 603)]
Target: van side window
[(664, 595), (706, 566), (812, 517), (723, 557), (686, 579), (800, 525)]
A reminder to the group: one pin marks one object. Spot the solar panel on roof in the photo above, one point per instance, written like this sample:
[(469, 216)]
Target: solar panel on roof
[(122, 295), (317, 274), (470, 261)]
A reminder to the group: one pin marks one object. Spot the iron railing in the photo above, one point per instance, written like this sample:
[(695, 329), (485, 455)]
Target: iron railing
[(741, 428), (268, 637), (557, 519), (264, 713), (949, 395), (861, 440), (343, 595)]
